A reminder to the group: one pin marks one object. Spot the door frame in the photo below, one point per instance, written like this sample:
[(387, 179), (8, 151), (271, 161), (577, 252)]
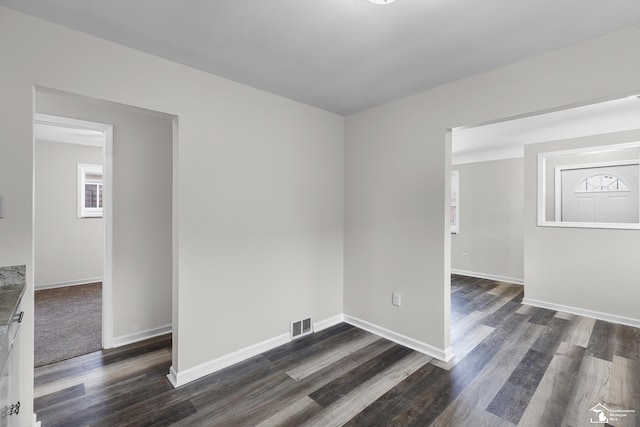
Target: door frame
[(107, 210)]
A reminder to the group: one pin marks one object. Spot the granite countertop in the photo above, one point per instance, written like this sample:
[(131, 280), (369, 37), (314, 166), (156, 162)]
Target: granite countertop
[(12, 286)]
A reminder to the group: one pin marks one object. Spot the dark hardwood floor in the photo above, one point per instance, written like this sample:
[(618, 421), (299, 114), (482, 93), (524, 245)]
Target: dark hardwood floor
[(514, 365)]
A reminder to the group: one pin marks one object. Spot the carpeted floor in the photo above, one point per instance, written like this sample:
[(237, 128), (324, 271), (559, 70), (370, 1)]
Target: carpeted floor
[(68, 322)]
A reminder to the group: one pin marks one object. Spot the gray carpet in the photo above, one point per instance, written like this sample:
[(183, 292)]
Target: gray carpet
[(68, 322)]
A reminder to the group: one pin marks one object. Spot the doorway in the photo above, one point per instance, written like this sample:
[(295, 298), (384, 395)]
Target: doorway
[(495, 191), (72, 237), (490, 161), (137, 201)]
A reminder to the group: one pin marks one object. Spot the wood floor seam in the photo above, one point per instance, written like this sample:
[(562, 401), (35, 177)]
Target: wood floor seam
[(514, 365)]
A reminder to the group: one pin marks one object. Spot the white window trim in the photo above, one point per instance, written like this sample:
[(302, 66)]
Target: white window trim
[(542, 192), (558, 180), (82, 210)]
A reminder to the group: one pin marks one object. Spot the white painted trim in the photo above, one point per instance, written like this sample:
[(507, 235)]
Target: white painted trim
[(141, 336), (327, 323), (558, 179), (495, 277), (173, 377), (175, 236), (66, 122), (107, 211), (107, 223), (455, 229), (614, 318), (503, 153), (628, 162), (36, 423), (181, 378), (557, 176), (51, 120), (178, 379), (444, 355), (542, 191), (83, 212), (602, 225), (68, 283)]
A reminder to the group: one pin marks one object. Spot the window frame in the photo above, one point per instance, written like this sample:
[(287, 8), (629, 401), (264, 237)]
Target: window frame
[(557, 176), (542, 182), (85, 169)]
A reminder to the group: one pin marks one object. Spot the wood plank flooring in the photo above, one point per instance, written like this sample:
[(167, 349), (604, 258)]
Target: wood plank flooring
[(514, 365)]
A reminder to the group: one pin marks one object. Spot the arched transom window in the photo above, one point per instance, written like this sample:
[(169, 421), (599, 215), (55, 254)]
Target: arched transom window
[(601, 182)]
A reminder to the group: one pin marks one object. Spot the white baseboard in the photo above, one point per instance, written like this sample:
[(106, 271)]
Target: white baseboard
[(173, 377), (582, 312), (68, 283), (495, 277), (140, 336), (440, 354), (178, 379), (327, 323)]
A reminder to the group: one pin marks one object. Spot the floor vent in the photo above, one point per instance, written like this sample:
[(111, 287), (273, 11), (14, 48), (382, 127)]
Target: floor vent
[(300, 328)]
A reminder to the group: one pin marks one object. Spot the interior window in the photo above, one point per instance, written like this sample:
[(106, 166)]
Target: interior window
[(89, 190)]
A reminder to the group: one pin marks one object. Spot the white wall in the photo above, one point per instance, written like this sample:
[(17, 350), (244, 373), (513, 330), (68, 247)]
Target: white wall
[(587, 269), (68, 249), (142, 200), (398, 170), (491, 215), (258, 210), (266, 245)]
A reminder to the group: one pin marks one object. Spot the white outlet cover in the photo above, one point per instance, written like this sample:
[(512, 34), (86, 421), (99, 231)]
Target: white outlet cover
[(396, 299)]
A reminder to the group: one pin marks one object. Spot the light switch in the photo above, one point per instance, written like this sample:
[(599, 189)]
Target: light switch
[(396, 299)]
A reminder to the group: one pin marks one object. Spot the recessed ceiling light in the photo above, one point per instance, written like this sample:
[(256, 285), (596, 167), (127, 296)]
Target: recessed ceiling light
[(381, 1)]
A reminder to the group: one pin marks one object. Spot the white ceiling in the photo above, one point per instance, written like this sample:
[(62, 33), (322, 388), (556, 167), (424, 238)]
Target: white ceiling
[(68, 135), (340, 55), (48, 128), (507, 139)]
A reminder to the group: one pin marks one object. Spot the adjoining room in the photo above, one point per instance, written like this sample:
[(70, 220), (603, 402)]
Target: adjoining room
[(103, 194), (277, 242)]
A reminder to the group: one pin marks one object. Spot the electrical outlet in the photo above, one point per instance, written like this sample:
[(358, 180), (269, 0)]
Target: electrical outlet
[(465, 256), (396, 299)]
